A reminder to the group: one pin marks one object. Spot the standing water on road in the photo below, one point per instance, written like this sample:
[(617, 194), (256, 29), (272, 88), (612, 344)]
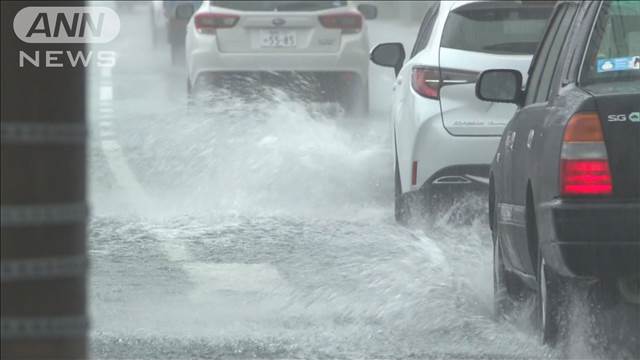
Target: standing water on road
[(260, 228)]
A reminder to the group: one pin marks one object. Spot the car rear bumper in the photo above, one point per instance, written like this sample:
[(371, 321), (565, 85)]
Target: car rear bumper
[(592, 239), (445, 161), (353, 57)]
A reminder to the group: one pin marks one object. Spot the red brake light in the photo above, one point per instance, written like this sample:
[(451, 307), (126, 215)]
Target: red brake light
[(586, 177), (426, 82), (584, 160), (207, 23), (348, 22)]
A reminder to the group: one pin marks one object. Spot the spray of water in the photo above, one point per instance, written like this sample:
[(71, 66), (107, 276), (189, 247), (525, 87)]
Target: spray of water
[(300, 197)]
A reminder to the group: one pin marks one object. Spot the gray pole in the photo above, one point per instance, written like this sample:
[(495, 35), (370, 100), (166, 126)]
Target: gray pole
[(43, 200)]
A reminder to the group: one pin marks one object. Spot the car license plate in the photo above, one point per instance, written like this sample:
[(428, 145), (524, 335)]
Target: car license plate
[(277, 39)]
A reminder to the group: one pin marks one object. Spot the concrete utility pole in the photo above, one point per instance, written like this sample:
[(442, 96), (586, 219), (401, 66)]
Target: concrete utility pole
[(43, 200)]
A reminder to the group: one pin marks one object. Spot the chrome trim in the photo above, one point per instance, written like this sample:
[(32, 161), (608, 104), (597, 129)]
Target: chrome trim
[(479, 179), (453, 82), (451, 180)]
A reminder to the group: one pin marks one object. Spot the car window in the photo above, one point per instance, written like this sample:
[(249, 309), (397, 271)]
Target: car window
[(278, 5), (553, 57), (425, 30), (541, 56), (613, 53), (497, 27)]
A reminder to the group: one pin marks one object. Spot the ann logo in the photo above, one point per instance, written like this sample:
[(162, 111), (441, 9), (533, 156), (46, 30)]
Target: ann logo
[(72, 24), (75, 27)]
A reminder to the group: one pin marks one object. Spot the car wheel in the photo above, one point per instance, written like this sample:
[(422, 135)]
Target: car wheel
[(548, 304), (401, 206)]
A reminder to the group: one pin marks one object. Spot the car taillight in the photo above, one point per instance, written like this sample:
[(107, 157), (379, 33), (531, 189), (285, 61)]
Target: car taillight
[(584, 168), (427, 81), (207, 23), (348, 22)]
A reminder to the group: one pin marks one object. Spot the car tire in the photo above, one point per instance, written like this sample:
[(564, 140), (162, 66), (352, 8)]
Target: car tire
[(402, 209)]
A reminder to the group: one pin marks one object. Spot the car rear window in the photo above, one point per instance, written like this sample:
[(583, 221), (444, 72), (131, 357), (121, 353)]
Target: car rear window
[(279, 5), (613, 53), (497, 27)]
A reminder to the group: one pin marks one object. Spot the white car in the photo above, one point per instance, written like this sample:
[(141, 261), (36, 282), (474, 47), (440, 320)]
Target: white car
[(323, 42), (444, 137)]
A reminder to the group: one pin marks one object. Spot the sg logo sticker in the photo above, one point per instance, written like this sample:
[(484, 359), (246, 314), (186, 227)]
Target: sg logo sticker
[(633, 117)]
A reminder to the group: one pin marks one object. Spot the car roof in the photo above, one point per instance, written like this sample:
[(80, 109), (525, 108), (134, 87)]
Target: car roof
[(452, 5)]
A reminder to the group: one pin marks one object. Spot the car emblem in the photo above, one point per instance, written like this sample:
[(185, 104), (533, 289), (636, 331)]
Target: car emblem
[(278, 22)]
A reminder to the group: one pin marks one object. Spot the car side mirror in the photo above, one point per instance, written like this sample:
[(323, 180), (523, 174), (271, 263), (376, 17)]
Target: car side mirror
[(504, 86), (388, 55), (369, 11), (184, 11)]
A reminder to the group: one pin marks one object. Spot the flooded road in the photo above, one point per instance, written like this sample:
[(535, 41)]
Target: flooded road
[(263, 229)]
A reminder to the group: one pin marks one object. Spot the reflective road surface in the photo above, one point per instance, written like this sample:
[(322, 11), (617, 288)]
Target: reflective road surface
[(262, 228)]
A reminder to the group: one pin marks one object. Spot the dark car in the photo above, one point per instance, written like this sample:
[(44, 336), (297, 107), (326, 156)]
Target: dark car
[(564, 199)]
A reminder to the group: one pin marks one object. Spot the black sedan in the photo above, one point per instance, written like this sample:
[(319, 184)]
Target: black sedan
[(565, 181)]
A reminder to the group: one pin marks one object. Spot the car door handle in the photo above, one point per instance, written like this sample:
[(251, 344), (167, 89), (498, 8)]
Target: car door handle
[(530, 138)]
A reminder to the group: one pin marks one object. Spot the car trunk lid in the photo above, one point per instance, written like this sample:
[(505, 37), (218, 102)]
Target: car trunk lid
[(486, 35), (462, 112), (280, 27)]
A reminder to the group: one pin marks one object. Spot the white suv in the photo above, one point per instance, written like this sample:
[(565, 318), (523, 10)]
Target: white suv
[(324, 43), (444, 137)]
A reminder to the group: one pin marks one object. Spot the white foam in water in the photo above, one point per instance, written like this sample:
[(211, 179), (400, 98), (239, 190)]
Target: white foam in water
[(235, 156), (263, 227)]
